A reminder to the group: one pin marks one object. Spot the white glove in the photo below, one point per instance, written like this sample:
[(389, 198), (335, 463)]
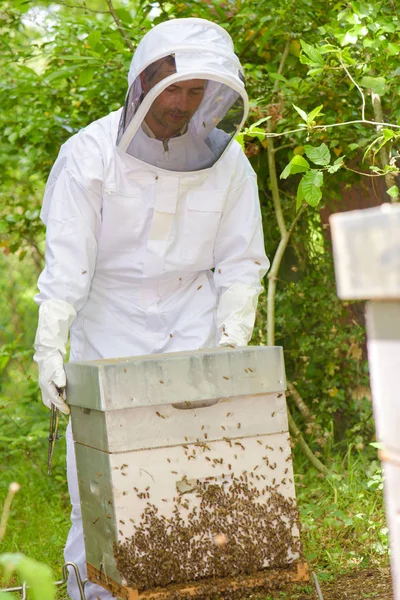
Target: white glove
[(55, 320), (236, 314)]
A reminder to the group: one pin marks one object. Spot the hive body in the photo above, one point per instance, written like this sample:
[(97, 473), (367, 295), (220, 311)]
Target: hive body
[(157, 438)]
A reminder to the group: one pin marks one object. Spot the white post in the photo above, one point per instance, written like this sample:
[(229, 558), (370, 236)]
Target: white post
[(366, 246)]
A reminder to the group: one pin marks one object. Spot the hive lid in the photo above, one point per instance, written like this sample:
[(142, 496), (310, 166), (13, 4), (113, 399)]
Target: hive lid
[(157, 379)]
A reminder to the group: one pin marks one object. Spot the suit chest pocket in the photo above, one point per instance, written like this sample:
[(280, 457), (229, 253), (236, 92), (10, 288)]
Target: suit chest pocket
[(201, 222), (123, 220)]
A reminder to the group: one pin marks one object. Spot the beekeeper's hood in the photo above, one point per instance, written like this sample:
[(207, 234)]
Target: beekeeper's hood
[(186, 98)]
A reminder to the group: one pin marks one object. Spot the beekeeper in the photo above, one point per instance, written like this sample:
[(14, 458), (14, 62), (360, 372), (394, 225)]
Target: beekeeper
[(154, 237)]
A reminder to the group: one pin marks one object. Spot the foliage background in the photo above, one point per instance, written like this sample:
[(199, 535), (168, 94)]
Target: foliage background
[(64, 64)]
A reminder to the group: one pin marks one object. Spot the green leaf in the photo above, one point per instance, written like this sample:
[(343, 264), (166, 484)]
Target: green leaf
[(260, 121), (38, 576), (319, 155), (86, 75), (301, 112), (299, 196), (393, 49), (393, 191), (338, 164), (240, 138), (314, 113), (388, 134), (31, 215), (311, 186), (317, 71), (298, 164), (349, 38), (312, 53), (93, 38), (277, 76), (376, 84)]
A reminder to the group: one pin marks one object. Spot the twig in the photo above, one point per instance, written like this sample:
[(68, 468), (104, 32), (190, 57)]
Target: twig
[(308, 129), (92, 10), (357, 86), (281, 65), (296, 434), (12, 490), (274, 182), (299, 402), (275, 150), (365, 174), (390, 179), (272, 277), (120, 26)]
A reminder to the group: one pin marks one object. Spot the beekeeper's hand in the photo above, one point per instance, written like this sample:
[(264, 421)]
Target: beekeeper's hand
[(52, 380), (235, 315), (55, 320)]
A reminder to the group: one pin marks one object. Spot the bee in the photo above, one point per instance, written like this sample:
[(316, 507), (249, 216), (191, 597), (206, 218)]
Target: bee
[(228, 414), (239, 425), (95, 521), (159, 414), (224, 377)]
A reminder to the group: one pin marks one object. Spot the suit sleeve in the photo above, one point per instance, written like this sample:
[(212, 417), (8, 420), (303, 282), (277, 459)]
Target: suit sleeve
[(72, 214), (240, 258)]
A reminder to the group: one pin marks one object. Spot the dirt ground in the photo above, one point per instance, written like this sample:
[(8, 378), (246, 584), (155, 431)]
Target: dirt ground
[(367, 584)]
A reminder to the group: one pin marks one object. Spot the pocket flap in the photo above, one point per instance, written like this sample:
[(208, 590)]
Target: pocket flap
[(206, 201)]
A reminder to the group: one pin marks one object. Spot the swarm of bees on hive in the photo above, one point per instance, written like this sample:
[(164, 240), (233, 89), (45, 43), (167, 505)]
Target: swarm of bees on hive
[(232, 529)]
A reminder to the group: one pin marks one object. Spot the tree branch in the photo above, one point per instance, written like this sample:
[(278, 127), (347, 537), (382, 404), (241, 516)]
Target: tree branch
[(390, 179), (274, 182), (368, 174), (357, 86), (297, 437), (92, 10), (283, 147), (119, 25), (299, 402)]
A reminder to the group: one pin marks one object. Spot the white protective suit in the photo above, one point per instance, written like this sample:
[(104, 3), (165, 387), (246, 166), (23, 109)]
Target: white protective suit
[(152, 246)]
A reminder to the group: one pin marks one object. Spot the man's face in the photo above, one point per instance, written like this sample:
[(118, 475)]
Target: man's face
[(175, 106)]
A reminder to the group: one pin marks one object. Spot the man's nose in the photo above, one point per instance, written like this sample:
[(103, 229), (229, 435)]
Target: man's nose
[(183, 101)]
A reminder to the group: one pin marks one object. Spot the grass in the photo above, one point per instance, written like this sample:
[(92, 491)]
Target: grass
[(39, 518), (342, 515)]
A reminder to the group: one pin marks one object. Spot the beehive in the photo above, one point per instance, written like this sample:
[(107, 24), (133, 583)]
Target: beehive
[(184, 468)]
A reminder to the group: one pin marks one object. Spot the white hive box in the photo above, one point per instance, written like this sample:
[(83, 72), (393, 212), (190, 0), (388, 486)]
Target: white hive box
[(366, 247), (148, 429)]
